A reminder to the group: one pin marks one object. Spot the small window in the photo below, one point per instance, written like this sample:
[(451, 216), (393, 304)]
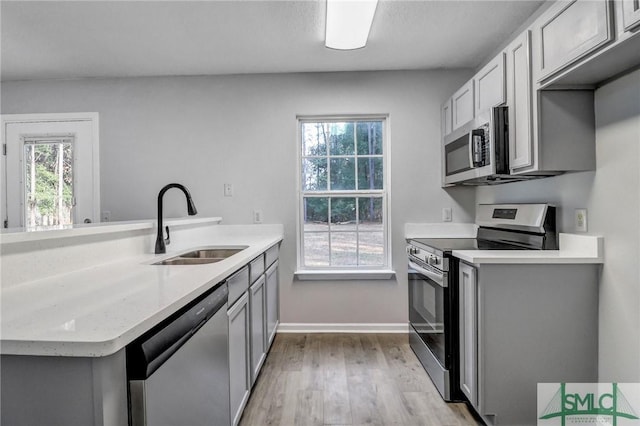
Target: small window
[(343, 194), (48, 182)]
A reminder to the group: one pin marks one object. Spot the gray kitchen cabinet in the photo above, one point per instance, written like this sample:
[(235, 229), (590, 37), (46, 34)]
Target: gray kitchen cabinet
[(524, 324), (630, 14), (518, 70), (63, 391), (468, 332), (489, 85), (462, 105), (570, 30), (447, 117), (550, 131), (238, 284), (272, 303), (257, 326), (239, 354)]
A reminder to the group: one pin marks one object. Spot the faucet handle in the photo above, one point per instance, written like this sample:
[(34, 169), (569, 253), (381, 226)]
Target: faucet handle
[(168, 239)]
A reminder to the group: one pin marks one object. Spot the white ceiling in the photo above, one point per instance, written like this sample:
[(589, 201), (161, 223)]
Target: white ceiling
[(72, 39)]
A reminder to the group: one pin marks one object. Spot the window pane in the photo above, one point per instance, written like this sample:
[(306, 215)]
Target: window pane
[(343, 172), (314, 139), (370, 173), (316, 214), (371, 248), (341, 139), (48, 184), (343, 228), (343, 249), (314, 174), (369, 136), (343, 214), (316, 249), (370, 214)]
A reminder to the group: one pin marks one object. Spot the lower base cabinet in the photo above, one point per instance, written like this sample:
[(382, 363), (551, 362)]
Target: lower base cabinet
[(272, 303), (253, 322), (468, 332), (239, 344), (257, 326), (522, 325)]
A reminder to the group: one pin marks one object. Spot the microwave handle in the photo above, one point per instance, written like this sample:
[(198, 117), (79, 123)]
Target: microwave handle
[(477, 151), (471, 149)]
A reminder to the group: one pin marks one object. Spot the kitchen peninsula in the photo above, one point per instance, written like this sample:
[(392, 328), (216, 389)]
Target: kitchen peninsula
[(90, 291)]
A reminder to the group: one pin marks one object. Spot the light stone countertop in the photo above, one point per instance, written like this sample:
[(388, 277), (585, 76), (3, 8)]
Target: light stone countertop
[(97, 311), (573, 248)]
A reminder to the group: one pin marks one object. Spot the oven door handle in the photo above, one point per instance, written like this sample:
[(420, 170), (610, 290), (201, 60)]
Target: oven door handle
[(437, 278)]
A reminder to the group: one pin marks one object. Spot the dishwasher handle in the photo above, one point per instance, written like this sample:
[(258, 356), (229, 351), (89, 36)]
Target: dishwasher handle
[(147, 353)]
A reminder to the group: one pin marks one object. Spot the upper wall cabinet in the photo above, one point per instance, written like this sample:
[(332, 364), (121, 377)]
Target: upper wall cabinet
[(519, 102), (630, 14), (489, 85), (571, 30), (462, 105), (447, 117)]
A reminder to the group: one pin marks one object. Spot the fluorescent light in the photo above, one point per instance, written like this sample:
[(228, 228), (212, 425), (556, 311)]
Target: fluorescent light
[(349, 23)]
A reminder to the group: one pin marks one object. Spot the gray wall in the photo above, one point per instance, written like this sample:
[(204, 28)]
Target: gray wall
[(612, 196), (206, 131)]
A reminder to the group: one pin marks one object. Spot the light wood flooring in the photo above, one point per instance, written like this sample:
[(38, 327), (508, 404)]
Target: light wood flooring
[(347, 379)]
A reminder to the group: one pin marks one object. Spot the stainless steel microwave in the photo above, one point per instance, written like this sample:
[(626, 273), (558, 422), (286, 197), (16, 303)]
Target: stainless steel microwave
[(478, 152)]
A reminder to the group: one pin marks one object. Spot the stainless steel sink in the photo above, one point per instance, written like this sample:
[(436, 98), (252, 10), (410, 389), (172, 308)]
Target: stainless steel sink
[(202, 256), (212, 253)]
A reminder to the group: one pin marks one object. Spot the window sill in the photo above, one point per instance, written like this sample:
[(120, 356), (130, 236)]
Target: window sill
[(310, 275)]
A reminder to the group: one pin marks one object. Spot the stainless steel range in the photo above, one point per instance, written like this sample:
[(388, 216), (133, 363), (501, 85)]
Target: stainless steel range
[(433, 287)]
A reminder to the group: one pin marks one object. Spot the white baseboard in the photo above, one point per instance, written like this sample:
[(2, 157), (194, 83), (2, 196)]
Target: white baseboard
[(300, 327)]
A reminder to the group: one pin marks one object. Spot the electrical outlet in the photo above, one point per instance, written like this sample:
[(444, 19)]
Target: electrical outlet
[(447, 214), (228, 190), (106, 216), (581, 220), (257, 216)]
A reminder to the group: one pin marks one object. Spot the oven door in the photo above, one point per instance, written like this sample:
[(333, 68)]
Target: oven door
[(429, 313)]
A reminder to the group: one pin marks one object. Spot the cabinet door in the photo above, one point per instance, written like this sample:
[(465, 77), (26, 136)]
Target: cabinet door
[(462, 105), (468, 333), (519, 102), (630, 14), (239, 377), (256, 306), (447, 117), (571, 30), (272, 304), (489, 85)]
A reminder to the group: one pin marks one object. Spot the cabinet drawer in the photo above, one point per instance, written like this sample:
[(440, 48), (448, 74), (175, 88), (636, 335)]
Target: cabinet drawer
[(570, 31), (238, 284), (256, 268), (271, 255)]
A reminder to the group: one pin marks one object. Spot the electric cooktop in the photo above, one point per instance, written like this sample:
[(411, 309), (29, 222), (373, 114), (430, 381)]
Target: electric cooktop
[(447, 245)]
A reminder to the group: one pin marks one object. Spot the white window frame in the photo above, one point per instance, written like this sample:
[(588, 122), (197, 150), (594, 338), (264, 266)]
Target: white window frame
[(350, 272), (93, 117)]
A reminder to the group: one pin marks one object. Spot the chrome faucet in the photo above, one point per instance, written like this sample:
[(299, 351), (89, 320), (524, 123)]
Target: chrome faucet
[(191, 209)]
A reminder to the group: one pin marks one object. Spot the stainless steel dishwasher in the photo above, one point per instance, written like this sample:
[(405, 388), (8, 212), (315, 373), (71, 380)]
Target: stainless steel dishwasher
[(178, 372)]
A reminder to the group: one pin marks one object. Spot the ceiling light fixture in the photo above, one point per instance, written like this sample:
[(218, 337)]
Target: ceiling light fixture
[(349, 23)]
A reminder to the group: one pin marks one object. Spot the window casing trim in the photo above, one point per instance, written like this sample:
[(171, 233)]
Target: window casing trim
[(385, 193)]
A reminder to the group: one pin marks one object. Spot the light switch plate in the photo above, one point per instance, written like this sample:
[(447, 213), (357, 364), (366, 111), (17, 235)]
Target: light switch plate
[(257, 216), (447, 214), (228, 190), (581, 220)]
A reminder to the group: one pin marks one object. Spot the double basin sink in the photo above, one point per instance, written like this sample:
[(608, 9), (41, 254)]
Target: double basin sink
[(202, 256)]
